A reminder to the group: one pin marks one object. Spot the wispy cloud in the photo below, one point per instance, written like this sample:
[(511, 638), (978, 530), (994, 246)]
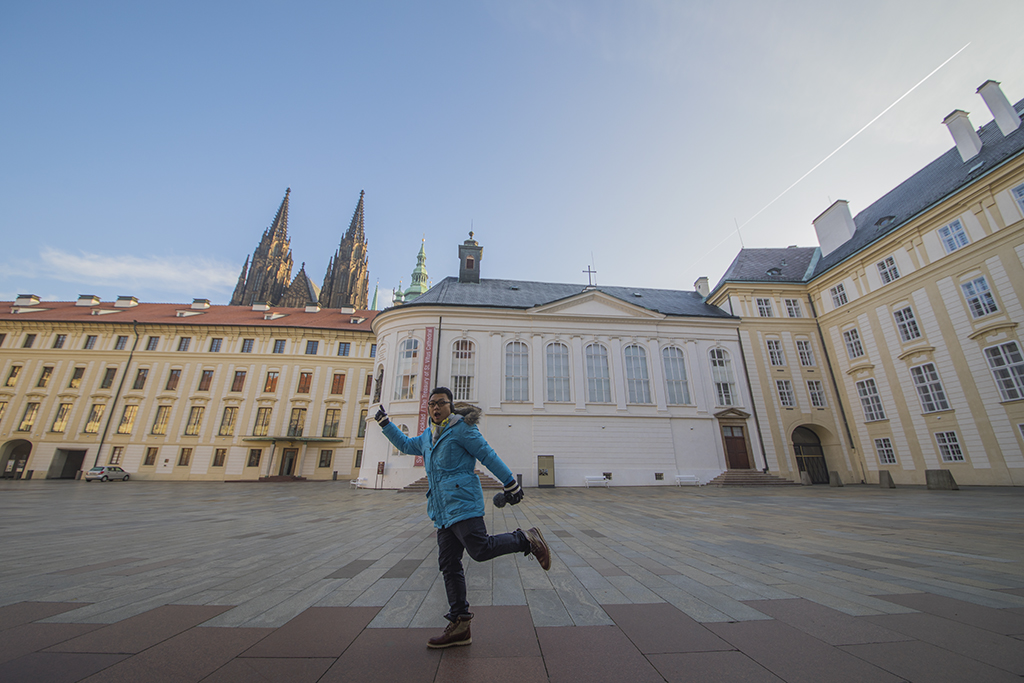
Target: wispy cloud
[(188, 276)]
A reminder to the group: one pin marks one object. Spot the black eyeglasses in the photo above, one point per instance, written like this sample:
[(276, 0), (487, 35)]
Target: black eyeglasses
[(435, 404)]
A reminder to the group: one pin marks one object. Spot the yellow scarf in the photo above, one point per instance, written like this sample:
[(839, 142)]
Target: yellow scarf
[(436, 429)]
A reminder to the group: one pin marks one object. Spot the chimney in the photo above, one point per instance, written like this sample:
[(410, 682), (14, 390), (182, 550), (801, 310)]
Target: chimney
[(200, 304), (470, 254), (260, 306), (312, 307), (1005, 115), (834, 227), (966, 138), (126, 302), (701, 285), (26, 300), (87, 300)]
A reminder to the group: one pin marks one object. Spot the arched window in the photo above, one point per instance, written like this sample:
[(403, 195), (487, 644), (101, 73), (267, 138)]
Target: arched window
[(517, 372), (678, 390), (408, 369), (636, 374), (463, 369), (558, 372), (721, 375), (599, 383), (405, 430)]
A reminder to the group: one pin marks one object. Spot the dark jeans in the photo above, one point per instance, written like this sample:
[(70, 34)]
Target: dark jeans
[(470, 535)]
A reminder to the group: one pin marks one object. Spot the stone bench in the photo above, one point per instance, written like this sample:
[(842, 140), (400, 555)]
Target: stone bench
[(357, 483), (687, 480), (596, 480)]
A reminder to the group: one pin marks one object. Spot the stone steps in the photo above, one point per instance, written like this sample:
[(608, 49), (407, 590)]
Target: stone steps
[(277, 478), (749, 478), (488, 483)]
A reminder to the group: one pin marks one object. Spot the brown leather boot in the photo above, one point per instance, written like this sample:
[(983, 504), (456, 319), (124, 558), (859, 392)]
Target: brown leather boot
[(539, 547), (456, 633)]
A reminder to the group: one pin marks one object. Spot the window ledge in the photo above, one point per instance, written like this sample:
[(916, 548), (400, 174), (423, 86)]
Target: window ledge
[(916, 351), (992, 328)]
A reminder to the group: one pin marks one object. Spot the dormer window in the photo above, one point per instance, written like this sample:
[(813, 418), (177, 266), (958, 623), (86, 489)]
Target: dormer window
[(774, 272), (470, 263)]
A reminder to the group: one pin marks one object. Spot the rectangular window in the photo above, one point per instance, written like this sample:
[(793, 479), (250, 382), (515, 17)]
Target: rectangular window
[(254, 457), (764, 308), (870, 401), (517, 372), (262, 426), (270, 385), (60, 422), (172, 379), (3, 337), (239, 382), (311, 347), (793, 309), (297, 422), (76, 378), (675, 376), (150, 458), (906, 323), (127, 419), (247, 345), (721, 374), (637, 384), (853, 345), (775, 353), (887, 270), (183, 343), (953, 236), (369, 385), (362, 425), (279, 345), (949, 447), (338, 383), (195, 420), (979, 297), (886, 455), (152, 343), (305, 379), (3, 409), (44, 376), (817, 392), (359, 458), (558, 372), (463, 369), (58, 341), (28, 418), (326, 455), (108, 378), (163, 415), (140, 378), (786, 396), (215, 344), (185, 457), (331, 420), (929, 388), (1007, 365), (344, 348), (30, 340), (227, 421), (116, 454), (12, 376), (373, 350), (599, 385), (838, 295), (219, 456), (90, 341), (121, 343), (407, 370), (205, 380), (92, 425)]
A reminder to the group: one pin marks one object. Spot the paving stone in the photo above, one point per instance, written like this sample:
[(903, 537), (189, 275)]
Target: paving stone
[(828, 625), (247, 670), (712, 667), (316, 633), (27, 638), (594, 654), (57, 667), (138, 633), (26, 612), (382, 655), (493, 670), (662, 628), (917, 661), (990, 619)]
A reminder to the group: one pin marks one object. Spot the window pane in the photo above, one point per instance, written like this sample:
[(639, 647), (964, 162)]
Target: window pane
[(636, 375), (678, 390), (1007, 365), (929, 388), (517, 375), (599, 387), (408, 369), (463, 369), (558, 372)]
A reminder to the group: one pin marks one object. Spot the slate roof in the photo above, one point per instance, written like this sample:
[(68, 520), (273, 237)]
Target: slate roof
[(932, 184), (520, 294), (167, 314)]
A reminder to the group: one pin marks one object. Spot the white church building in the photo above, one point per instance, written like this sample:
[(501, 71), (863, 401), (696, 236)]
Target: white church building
[(639, 385)]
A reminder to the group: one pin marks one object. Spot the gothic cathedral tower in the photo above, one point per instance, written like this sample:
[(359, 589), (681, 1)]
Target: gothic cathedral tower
[(267, 277), (347, 280)]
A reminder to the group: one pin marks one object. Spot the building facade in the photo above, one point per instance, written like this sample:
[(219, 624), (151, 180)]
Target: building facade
[(182, 392), (911, 313)]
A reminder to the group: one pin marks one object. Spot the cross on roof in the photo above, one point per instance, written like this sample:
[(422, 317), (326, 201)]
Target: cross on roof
[(590, 276)]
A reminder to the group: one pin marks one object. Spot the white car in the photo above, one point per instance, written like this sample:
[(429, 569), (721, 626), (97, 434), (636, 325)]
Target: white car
[(106, 473)]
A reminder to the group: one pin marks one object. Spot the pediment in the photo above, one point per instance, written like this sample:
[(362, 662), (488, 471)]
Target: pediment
[(732, 414), (595, 305)]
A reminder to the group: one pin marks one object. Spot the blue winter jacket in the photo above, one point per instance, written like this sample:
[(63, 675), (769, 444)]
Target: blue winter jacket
[(455, 493)]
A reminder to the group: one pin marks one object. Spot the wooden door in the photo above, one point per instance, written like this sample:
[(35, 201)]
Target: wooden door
[(736, 457)]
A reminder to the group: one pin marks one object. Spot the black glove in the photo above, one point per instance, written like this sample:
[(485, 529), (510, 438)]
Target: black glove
[(513, 492), (382, 417)]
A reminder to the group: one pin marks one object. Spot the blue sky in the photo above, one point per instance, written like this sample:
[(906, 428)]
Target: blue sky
[(144, 147)]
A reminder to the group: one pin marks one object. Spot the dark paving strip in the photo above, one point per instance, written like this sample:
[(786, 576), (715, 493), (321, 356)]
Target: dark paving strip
[(824, 623), (886, 560), (561, 533), (28, 638), (403, 569), (101, 565), (662, 628), (411, 533), (712, 667), (917, 661), (315, 633), (279, 669), (142, 631), (132, 571), (655, 568), (593, 653), (57, 667), (26, 612), (351, 570), (988, 618), (386, 655), (846, 562), (593, 534)]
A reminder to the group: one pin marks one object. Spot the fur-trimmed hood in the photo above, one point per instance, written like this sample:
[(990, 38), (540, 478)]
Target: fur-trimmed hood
[(469, 412)]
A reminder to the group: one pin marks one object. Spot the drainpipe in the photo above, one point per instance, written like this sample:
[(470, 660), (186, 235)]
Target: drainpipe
[(117, 394), (437, 343)]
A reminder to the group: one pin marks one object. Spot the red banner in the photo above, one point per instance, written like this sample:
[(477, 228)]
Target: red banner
[(425, 380)]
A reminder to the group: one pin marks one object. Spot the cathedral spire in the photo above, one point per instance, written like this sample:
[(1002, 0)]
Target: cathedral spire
[(356, 227), (268, 273), (346, 282), (281, 219)]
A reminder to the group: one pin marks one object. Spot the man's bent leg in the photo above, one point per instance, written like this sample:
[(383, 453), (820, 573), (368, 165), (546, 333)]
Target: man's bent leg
[(449, 561), (472, 534)]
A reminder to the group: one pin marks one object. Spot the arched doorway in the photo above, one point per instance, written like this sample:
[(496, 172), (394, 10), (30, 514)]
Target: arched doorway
[(14, 458), (810, 457)]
